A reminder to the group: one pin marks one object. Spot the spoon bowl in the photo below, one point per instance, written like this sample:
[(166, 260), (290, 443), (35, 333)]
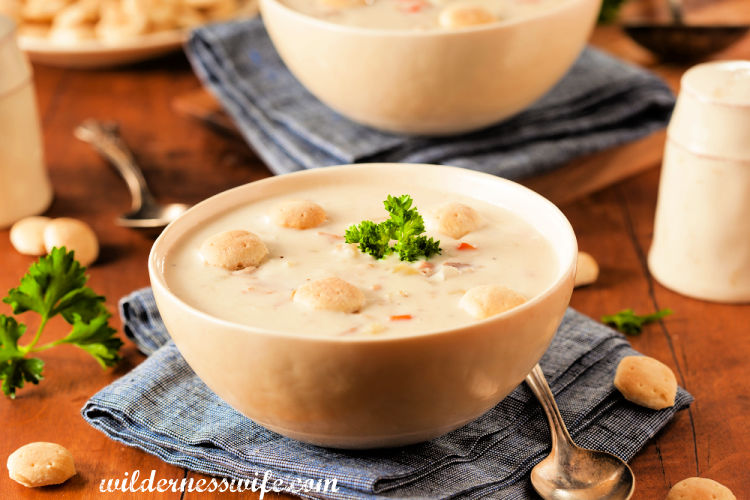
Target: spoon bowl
[(152, 216), (584, 475), (571, 472)]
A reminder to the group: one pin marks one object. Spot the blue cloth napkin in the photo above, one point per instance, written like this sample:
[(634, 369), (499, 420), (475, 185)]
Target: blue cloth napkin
[(163, 408), (602, 102)]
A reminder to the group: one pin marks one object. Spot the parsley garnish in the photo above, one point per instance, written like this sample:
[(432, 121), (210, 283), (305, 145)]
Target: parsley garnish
[(630, 323), (405, 226), (609, 11), (54, 285)]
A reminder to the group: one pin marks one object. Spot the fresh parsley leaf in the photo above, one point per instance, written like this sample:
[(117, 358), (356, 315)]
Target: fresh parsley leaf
[(373, 239), (416, 247), (54, 285), (405, 222), (15, 370), (97, 338), (405, 226), (10, 332), (630, 323)]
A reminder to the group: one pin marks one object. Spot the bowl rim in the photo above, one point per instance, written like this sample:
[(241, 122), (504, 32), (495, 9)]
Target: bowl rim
[(158, 280), (406, 33)]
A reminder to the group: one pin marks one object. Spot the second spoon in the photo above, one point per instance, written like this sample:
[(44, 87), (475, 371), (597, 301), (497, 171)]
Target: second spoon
[(571, 472), (145, 212)]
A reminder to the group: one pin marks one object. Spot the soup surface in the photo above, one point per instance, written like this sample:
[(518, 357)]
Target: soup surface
[(420, 14), (400, 298)]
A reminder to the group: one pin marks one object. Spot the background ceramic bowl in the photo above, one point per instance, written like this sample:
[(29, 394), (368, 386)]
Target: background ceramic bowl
[(365, 392), (431, 82)]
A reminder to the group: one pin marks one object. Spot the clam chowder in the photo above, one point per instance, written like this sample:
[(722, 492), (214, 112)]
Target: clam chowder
[(282, 264), (420, 14)]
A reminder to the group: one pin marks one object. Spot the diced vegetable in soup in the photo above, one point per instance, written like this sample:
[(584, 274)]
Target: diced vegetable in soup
[(420, 263), (420, 14)]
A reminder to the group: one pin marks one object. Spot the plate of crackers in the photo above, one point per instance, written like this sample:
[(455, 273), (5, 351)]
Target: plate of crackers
[(105, 33)]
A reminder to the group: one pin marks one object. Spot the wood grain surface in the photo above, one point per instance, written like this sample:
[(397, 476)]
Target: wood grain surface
[(707, 344)]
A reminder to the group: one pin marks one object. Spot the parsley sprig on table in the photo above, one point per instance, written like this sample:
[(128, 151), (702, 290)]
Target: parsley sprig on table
[(55, 285), (609, 11), (630, 323), (405, 226)]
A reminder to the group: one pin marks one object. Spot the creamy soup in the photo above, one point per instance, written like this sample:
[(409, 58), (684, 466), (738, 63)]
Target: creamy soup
[(420, 14), (397, 298)]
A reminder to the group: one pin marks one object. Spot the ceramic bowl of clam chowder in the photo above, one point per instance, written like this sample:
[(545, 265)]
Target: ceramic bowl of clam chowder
[(365, 306), (429, 67)]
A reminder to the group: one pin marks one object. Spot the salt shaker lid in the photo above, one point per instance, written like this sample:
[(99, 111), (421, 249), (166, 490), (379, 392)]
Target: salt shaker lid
[(721, 82), (712, 115)]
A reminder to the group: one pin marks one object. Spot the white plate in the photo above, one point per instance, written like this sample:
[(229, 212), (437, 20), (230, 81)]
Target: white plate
[(96, 54)]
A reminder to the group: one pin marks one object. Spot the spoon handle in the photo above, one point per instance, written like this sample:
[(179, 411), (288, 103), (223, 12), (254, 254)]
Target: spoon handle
[(538, 385), (106, 139)]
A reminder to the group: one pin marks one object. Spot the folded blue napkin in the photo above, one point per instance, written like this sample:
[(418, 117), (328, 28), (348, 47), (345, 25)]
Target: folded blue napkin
[(602, 102), (163, 408)]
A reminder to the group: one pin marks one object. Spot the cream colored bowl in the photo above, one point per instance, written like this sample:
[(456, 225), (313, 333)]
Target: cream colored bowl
[(366, 392), (431, 82)]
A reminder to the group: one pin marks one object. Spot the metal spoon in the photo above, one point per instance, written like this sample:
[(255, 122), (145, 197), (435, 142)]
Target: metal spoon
[(679, 42), (571, 472), (145, 212)]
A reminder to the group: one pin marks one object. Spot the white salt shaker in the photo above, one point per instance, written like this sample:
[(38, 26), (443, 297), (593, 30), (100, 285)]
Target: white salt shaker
[(701, 245), (25, 188)]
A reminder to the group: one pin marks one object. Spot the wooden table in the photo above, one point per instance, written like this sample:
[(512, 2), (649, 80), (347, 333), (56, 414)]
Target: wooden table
[(707, 345)]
